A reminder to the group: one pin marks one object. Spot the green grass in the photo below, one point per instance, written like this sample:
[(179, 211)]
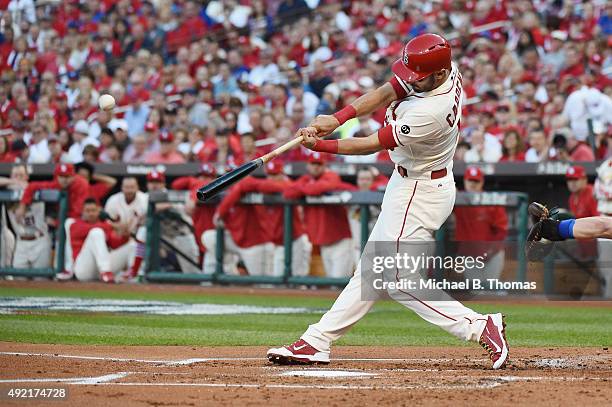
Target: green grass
[(388, 324)]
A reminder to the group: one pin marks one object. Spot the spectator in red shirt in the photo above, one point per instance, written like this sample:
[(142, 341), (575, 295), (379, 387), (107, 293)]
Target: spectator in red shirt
[(513, 148), (326, 225), (5, 154), (570, 149), (167, 151), (582, 202), (96, 248), (99, 185), (480, 230)]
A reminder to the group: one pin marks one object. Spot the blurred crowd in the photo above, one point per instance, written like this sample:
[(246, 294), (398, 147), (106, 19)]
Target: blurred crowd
[(223, 81)]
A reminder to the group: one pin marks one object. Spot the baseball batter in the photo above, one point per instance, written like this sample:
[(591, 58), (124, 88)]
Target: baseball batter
[(422, 130)]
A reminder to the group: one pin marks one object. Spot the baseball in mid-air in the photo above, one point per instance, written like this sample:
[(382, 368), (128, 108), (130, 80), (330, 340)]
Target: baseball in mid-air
[(106, 102)]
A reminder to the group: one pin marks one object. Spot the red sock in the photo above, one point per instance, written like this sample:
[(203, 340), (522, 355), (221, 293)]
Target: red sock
[(135, 266)]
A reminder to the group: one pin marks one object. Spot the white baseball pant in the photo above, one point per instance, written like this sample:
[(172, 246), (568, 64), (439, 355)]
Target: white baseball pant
[(257, 259), (412, 210), (301, 250), (338, 258), (32, 253), (95, 257)]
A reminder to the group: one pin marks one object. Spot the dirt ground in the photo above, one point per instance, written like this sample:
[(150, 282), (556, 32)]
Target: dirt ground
[(194, 376), (358, 375)]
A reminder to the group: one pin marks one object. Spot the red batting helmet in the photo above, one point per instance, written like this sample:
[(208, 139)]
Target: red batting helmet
[(422, 56)]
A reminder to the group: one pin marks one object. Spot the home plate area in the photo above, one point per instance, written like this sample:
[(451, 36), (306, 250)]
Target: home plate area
[(134, 375)]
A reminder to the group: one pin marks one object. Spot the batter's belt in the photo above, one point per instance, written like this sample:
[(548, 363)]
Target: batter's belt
[(434, 174)]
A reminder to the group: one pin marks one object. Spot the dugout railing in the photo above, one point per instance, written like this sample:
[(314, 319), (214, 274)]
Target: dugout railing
[(54, 197), (517, 201)]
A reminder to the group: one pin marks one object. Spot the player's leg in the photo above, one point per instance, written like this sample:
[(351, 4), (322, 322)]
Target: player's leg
[(95, 258), (7, 243), (187, 244), (42, 250), (68, 268), (338, 258), (21, 258), (254, 259), (430, 205), (314, 345), (120, 257), (209, 240)]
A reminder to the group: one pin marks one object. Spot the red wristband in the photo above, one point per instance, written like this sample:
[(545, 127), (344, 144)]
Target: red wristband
[(345, 114), (326, 146)]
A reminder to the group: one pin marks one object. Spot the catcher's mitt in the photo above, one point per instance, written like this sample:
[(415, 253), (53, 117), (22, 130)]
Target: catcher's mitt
[(543, 232)]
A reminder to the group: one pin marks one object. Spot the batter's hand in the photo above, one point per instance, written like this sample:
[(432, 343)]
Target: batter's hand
[(310, 137), (325, 124)]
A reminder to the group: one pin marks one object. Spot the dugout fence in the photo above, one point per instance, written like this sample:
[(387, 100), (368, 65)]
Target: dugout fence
[(515, 204)]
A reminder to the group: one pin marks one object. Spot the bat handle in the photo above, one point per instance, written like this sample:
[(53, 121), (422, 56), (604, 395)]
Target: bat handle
[(280, 150)]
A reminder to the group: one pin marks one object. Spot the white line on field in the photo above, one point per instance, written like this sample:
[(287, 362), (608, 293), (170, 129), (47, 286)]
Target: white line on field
[(113, 359), (72, 380)]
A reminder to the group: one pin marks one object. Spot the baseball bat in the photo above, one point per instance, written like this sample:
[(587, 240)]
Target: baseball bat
[(226, 180)]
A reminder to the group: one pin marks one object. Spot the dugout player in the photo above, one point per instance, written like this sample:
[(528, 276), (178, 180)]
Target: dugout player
[(99, 185), (582, 202), (424, 100), (99, 248), (246, 235), (277, 182), (64, 178), (30, 245), (480, 229), (326, 225), (175, 225), (130, 206), (201, 214)]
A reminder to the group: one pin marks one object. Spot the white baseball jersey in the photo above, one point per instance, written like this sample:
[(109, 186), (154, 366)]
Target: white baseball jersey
[(422, 129), (33, 222), (117, 207)]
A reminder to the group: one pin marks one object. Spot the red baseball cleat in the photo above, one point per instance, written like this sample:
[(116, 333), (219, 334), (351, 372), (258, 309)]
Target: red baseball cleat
[(493, 339), (298, 353), (107, 277)]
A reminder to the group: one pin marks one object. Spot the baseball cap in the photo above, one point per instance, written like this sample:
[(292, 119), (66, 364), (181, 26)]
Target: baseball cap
[(208, 170), (81, 127), (473, 174), (150, 126), (52, 139), (575, 172), (166, 137), (156, 176), (559, 35), (317, 158), (274, 167), (117, 124), (64, 170)]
